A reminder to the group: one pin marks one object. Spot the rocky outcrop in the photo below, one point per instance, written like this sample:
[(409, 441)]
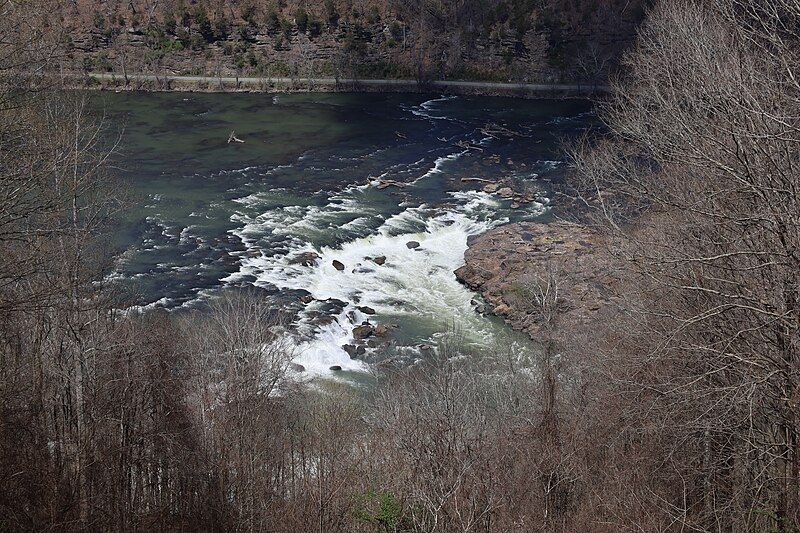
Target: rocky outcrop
[(511, 264)]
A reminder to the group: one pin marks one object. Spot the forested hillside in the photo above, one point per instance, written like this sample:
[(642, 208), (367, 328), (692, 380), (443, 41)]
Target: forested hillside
[(662, 389), (498, 40)]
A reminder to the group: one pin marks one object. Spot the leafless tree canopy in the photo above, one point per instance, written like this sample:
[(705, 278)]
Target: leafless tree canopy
[(677, 411), (699, 183)]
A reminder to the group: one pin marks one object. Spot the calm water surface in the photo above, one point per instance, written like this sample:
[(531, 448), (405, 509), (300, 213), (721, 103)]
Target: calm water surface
[(208, 214)]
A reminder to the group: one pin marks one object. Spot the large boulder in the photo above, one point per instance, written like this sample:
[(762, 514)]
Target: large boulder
[(304, 259), (363, 331), (354, 350)]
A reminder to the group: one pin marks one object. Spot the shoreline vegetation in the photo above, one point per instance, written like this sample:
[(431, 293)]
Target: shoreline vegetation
[(663, 390), (169, 83)]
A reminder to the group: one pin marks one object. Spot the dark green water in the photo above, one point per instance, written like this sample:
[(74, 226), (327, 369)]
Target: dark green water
[(209, 214)]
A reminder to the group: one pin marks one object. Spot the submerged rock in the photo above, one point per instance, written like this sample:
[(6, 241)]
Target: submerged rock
[(381, 330), (338, 265)]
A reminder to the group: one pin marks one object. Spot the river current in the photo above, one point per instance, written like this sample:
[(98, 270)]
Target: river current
[(347, 177)]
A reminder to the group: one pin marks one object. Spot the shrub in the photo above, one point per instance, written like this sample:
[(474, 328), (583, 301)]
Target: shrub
[(396, 30), (286, 26), (301, 19), (373, 16), (331, 12), (222, 29), (170, 25), (197, 42), (314, 27), (249, 14), (380, 509), (99, 20), (354, 40), (273, 21), (204, 25)]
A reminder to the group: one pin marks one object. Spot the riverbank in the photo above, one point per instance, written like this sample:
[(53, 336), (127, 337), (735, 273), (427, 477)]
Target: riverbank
[(517, 265), (151, 82)]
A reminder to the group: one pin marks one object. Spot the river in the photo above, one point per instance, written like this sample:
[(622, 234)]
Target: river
[(208, 214)]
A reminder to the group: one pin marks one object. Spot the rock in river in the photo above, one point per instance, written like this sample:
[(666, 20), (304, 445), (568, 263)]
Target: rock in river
[(363, 331), (338, 265), (305, 259), (381, 330), (354, 351), (412, 245)]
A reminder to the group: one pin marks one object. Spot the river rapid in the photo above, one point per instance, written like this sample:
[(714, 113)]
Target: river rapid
[(311, 178)]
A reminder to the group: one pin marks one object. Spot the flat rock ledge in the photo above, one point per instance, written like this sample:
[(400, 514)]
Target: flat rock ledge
[(509, 265)]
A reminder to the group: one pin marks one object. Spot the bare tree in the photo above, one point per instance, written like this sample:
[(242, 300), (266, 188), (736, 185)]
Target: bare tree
[(698, 181)]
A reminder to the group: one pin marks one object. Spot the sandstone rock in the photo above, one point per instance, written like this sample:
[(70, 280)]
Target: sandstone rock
[(500, 263), (381, 330), (363, 331), (502, 310), (338, 265), (305, 259), (505, 192)]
